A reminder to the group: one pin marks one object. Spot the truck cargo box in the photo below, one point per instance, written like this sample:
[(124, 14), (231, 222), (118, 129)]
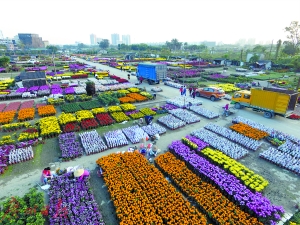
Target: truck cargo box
[(152, 71), (277, 100)]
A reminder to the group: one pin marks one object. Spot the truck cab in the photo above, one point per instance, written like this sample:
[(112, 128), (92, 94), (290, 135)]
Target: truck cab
[(243, 97)]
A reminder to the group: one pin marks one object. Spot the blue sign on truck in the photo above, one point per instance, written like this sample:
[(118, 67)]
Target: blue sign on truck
[(152, 72)]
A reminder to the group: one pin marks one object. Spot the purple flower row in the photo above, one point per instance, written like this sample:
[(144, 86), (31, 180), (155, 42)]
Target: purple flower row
[(71, 202), (228, 183), (169, 107), (201, 144), (69, 146), (69, 90)]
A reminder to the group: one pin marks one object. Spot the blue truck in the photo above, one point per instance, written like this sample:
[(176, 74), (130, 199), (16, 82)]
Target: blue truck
[(151, 72)]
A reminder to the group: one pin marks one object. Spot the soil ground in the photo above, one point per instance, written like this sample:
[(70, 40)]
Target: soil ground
[(282, 189)]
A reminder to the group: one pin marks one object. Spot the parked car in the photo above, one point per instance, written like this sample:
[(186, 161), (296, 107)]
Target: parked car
[(33, 61), (213, 93)]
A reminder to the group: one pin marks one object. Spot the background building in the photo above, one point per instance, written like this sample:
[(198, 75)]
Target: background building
[(1, 35), (31, 40), (251, 41), (93, 39), (115, 38), (126, 39), (98, 40), (46, 43)]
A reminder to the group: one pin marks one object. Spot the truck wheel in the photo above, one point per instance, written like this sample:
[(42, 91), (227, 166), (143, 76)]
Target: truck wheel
[(237, 105), (268, 115), (197, 94), (212, 98)]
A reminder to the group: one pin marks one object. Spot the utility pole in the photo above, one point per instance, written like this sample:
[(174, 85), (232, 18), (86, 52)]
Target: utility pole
[(271, 50)]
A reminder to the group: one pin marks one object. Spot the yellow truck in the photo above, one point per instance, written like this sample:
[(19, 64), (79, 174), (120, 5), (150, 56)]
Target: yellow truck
[(270, 101)]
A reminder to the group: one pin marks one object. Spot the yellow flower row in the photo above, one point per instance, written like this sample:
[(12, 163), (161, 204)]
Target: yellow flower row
[(84, 114), (49, 126), (65, 118), (248, 177), (128, 107), (114, 109), (98, 110)]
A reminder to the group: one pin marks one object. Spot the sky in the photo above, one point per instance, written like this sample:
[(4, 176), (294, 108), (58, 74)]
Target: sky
[(227, 21)]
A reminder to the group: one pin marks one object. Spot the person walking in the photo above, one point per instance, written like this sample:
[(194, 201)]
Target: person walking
[(184, 91), (128, 76), (141, 80), (194, 93), (190, 91), (181, 90)]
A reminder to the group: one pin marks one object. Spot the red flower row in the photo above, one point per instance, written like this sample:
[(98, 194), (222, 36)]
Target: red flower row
[(71, 127), (89, 124), (104, 119)]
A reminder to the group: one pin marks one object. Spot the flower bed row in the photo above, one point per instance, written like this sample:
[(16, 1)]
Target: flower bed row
[(231, 149), (71, 127), (119, 117), (92, 142), (135, 134), (246, 176), (30, 209), (282, 159), (104, 119), (14, 126), (69, 146), (249, 131), (199, 143), (88, 124), (127, 176), (219, 208), (28, 134), (183, 101), (273, 133), (290, 148), (27, 104), (184, 115), (204, 112), (72, 202), (49, 127), (20, 155), (153, 129), (171, 122), (12, 106), (251, 202), (26, 114), (47, 110), (234, 136), (115, 138), (7, 117)]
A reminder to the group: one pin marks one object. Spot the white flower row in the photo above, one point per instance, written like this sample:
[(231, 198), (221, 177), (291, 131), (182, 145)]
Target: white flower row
[(92, 142), (153, 129), (229, 148), (234, 136), (171, 122), (135, 133), (290, 148), (182, 101), (20, 155), (121, 86), (273, 133), (282, 159), (173, 84), (204, 112), (79, 90), (115, 138), (185, 115), (156, 89), (106, 82)]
